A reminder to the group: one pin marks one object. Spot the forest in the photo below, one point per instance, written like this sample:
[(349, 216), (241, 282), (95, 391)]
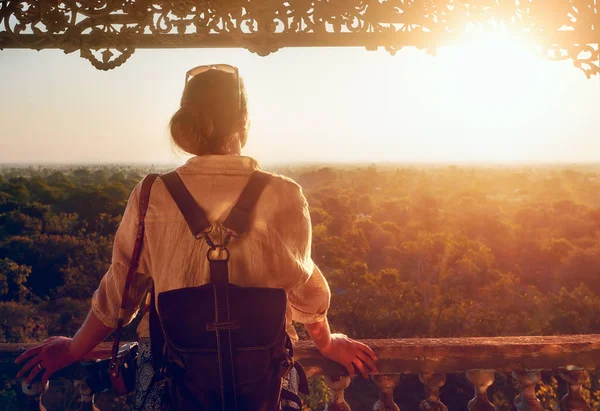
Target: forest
[(409, 251)]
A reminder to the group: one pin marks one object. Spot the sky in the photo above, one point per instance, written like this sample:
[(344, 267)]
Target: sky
[(489, 102)]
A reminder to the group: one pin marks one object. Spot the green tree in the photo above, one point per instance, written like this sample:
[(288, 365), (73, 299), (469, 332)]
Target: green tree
[(13, 279)]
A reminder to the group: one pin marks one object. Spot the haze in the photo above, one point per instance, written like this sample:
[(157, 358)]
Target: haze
[(478, 103)]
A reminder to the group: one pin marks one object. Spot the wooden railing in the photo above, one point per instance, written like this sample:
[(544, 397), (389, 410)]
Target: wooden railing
[(431, 359)]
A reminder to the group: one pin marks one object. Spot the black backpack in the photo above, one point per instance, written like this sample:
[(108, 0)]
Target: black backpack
[(220, 346)]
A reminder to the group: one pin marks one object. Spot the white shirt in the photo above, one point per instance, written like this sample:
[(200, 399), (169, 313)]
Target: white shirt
[(275, 251)]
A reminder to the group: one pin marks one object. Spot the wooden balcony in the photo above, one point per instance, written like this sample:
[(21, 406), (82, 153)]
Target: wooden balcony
[(107, 34), (570, 357)]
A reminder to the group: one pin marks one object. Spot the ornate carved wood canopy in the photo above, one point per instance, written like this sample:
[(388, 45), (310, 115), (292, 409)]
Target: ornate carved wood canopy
[(107, 32)]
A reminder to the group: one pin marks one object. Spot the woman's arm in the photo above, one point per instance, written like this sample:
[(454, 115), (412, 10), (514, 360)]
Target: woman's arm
[(92, 332), (319, 333), (343, 350), (56, 353)]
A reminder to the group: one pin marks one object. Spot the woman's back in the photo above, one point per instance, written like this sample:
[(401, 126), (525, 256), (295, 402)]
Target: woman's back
[(274, 252)]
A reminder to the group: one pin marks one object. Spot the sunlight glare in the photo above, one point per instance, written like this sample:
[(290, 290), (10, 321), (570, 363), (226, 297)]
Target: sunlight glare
[(494, 82)]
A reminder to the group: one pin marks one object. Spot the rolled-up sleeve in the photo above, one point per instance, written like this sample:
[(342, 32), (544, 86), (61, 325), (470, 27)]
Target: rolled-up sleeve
[(309, 299), (106, 300)]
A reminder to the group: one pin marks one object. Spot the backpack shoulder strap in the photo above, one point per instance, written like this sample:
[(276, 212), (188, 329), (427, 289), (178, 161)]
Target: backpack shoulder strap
[(238, 219), (133, 263), (194, 214)]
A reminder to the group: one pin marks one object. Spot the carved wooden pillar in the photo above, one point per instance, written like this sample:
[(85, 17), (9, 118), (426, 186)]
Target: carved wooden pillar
[(573, 400), (86, 396), (337, 385), (432, 383), (386, 384), (481, 380), (526, 381), (34, 392)]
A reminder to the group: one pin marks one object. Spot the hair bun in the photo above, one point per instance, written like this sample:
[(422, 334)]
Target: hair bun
[(212, 115), (192, 119)]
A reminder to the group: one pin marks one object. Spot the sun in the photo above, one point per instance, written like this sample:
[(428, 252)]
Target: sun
[(503, 60), (493, 81)]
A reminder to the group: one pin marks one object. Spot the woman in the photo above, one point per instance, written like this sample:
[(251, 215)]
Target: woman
[(211, 124)]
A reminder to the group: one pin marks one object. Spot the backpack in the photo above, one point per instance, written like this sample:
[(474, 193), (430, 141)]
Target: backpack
[(220, 346)]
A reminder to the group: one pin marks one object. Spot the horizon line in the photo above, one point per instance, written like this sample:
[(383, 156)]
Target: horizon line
[(316, 163)]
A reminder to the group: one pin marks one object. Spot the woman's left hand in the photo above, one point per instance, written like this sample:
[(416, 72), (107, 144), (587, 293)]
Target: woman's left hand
[(52, 355)]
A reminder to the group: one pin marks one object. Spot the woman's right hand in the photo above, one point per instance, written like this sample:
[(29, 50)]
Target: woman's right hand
[(351, 354)]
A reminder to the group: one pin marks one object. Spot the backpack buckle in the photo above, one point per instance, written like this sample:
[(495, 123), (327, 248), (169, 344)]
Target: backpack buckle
[(218, 249), (204, 235)]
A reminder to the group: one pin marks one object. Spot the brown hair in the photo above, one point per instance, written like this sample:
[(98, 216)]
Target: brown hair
[(213, 116)]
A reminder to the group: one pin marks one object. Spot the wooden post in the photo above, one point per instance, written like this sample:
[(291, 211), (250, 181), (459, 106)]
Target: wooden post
[(386, 384), (337, 386), (432, 383), (481, 380), (573, 400), (526, 382)]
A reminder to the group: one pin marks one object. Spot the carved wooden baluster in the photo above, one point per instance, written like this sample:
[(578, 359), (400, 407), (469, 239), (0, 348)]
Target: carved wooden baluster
[(432, 383), (337, 386), (87, 396), (526, 381), (481, 380), (573, 400), (34, 392), (386, 384)]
